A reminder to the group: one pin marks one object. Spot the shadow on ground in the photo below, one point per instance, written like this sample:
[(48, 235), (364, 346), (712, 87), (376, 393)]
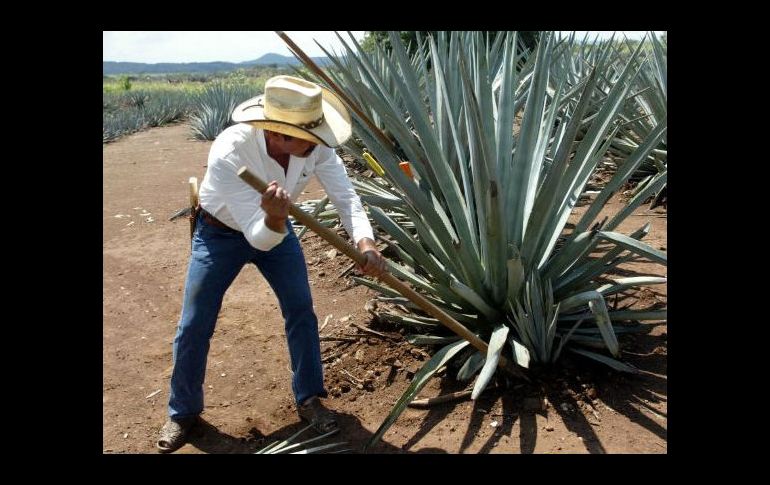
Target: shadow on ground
[(571, 391), (206, 438)]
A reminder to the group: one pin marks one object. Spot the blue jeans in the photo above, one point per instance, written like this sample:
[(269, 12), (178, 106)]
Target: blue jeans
[(218, 255)]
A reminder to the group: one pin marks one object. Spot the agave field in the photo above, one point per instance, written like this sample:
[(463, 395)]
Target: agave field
[(480, 151), (128, 107), (491, 172)]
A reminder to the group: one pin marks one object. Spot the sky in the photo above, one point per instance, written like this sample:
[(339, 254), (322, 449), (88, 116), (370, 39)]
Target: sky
[(209, 46), (232, 46)]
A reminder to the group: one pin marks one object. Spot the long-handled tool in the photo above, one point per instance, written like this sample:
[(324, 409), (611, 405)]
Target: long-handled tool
[(351, 252)]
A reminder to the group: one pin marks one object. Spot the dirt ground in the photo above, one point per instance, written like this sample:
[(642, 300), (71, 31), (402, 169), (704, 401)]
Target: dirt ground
[(581, 408)]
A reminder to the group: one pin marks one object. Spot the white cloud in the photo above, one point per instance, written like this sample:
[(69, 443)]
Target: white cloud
[(207, 46)]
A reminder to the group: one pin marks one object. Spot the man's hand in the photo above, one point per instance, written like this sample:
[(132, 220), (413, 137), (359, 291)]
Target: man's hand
[(275, 203), (374, 265)]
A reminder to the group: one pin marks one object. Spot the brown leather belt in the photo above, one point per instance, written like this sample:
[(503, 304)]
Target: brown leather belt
[(213, 221)]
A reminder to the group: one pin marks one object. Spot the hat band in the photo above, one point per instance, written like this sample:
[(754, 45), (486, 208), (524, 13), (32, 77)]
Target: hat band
[(312, 124), (308, 126)]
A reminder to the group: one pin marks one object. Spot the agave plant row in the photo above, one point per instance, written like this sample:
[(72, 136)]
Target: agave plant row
[(647, 100), (208, 110), (132, 111)]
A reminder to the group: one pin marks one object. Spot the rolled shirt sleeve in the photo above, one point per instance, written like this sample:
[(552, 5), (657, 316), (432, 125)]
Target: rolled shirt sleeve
[(334, 179)]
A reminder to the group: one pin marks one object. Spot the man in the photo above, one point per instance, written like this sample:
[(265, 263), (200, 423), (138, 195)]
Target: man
[(283, 136)]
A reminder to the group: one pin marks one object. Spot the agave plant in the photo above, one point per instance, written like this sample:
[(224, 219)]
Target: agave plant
[(214, 106), (164, 107), (650, 106), (121, 122), (645, 106), (479, 225)]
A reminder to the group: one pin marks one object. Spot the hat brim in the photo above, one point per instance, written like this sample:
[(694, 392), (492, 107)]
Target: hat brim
[(333, 131)]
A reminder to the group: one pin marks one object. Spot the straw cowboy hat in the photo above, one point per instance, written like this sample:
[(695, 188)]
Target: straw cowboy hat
[(298, 108)]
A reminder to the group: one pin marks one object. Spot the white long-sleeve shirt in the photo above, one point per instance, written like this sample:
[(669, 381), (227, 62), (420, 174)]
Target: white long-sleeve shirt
[(235, 203)]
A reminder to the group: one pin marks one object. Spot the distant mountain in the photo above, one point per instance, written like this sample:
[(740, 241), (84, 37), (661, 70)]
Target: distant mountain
[(272, 58), (112, 68)]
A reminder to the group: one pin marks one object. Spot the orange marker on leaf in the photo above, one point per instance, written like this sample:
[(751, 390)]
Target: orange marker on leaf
[(406, 169)]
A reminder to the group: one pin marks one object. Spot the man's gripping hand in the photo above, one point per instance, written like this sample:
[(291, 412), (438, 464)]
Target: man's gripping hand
[(275, 203), (374, 265)]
